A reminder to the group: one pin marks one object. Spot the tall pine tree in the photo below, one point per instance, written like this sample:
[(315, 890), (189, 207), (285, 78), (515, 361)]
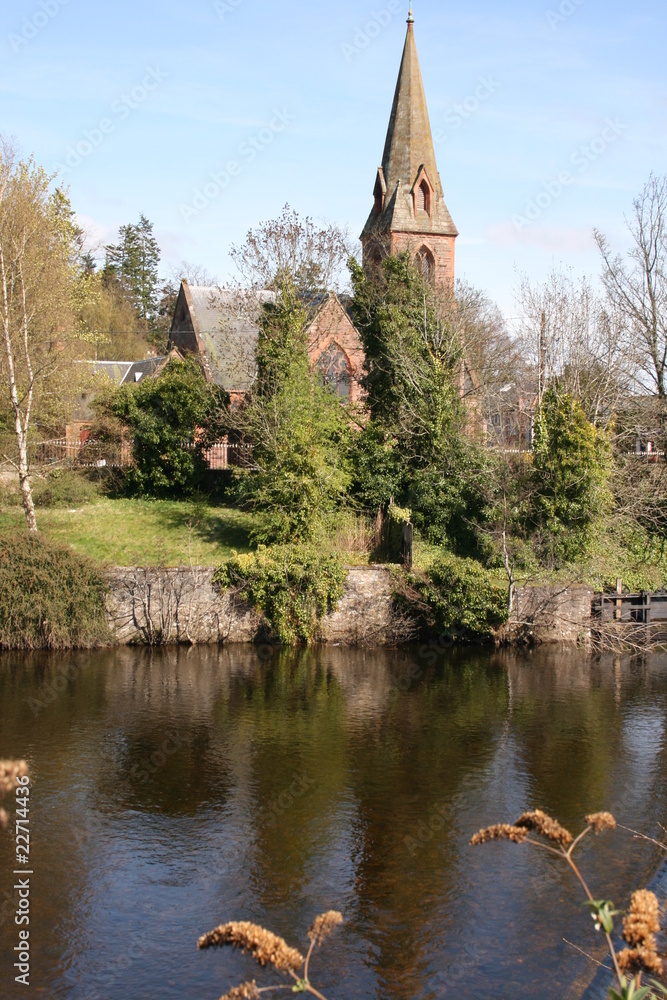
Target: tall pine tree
[(134, 261)]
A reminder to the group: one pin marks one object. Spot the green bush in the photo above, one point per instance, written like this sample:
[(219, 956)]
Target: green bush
[(294, 586), (65, 488), (50, 598), (172, 419), (571, 471), (461, 598)]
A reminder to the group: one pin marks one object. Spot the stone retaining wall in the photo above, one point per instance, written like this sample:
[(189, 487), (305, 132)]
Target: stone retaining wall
[(153, 606)]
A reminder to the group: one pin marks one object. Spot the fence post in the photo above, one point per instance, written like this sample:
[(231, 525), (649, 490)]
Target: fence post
[(408, 543), (619, 603)]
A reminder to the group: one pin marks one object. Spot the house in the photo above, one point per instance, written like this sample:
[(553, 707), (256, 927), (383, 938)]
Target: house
[(93, 375), (221, 326)]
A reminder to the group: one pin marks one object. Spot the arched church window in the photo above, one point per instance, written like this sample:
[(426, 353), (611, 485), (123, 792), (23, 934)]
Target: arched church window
[(424, 198), (335, 370), (425, 263)]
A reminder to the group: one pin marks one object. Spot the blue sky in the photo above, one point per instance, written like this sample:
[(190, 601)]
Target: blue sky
[(296, 97)]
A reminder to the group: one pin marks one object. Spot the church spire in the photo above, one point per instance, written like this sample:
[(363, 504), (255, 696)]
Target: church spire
[(409, 197)]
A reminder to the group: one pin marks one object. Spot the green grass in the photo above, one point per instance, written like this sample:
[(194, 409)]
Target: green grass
[(144, 532)]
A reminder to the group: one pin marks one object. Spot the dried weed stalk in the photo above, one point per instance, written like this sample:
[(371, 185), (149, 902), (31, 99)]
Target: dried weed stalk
[(270, 950), (642, 922)]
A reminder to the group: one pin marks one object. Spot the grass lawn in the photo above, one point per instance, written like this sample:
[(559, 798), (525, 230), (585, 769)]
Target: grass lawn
[(144, 532)]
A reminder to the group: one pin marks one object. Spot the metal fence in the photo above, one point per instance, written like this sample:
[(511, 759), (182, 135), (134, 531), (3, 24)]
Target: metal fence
[(71, 453)]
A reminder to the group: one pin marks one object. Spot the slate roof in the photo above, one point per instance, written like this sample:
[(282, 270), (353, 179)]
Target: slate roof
[(119, 373), (122, 372), (226, 324), (408, 148)]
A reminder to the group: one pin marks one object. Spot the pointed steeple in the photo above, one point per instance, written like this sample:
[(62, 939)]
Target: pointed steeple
[(409, 197)]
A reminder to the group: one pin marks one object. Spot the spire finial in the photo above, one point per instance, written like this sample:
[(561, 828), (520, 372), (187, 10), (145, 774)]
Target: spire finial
[(411, 19)]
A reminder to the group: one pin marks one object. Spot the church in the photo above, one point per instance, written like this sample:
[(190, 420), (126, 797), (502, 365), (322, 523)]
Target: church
[(408, 213)]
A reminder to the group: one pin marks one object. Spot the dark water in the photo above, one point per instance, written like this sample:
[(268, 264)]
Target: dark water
[(174, 791)]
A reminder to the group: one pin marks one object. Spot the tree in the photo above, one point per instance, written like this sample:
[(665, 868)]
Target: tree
[(637, 285), (298, 468), (173, 418), (572, 465), (134, 261), (35, 285), (569, 333), (413, 340), (293, 251)]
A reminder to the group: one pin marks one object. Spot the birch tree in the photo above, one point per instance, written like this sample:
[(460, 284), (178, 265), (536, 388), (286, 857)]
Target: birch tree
[(35, 276)]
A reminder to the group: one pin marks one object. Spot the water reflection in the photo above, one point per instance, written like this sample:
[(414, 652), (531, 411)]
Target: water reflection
[(177, 789)]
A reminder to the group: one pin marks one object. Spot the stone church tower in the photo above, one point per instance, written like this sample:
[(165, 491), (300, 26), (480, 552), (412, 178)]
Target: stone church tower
[(410, 211)]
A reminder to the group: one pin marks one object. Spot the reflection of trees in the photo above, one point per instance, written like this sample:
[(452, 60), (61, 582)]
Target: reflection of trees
[(418, 757), (386, 742)]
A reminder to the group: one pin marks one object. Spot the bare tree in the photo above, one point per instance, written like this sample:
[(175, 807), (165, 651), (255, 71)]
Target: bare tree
[(295, 250), (569, 333), (34, 299), (637, 285)]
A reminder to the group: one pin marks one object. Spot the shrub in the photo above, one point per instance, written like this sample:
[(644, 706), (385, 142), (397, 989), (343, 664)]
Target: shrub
[(65, 488), (50, 597), (294, 586), (461, 598), (572, 465), (172, 419)]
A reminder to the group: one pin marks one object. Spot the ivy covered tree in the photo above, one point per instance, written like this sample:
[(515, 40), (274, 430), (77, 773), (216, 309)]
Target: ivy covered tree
[(571, 472), (414, 448), (298, 429)]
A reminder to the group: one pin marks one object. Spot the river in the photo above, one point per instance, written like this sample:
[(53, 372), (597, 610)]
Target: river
[(175, 790)]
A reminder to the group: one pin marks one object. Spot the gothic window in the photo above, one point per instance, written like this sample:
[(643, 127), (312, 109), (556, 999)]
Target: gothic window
[(425, 262), (424, 198), (335, 370)]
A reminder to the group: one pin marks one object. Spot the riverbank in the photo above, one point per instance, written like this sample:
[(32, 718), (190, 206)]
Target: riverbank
[(185, 606)]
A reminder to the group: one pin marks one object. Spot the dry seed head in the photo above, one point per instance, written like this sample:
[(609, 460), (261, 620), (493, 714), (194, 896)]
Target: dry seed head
[(643, 919), (601, 822), (10, 770), (265, 947), (541, 823), (643, 956), (501, 831), (639, 929), (324, 925), (246, 991)]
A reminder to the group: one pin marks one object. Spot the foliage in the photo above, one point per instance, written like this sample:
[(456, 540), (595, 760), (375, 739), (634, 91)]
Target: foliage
[(461, 598), (172, 418), (50, 598), (299, 432), (571, 474), (107, 319), (294, 586), (65, 488), (414, 449), (36, 248)]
